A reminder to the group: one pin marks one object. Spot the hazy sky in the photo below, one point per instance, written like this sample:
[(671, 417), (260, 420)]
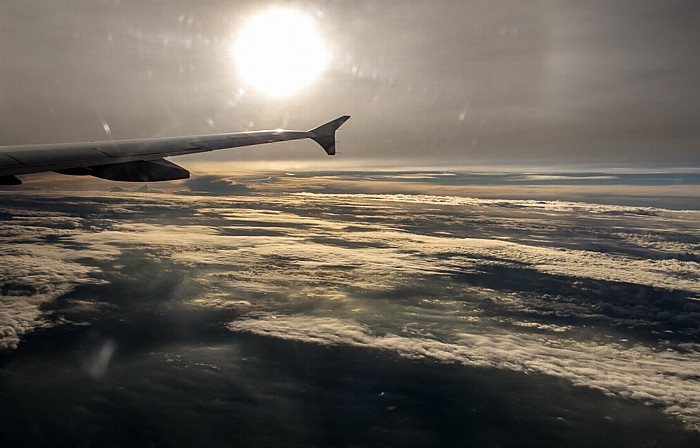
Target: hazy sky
[(447, 83)]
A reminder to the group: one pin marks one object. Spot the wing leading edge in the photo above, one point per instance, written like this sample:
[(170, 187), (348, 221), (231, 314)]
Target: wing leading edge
[(142, 160)]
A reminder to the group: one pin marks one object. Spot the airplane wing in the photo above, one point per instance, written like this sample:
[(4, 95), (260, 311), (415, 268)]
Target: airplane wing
[(141, 160)]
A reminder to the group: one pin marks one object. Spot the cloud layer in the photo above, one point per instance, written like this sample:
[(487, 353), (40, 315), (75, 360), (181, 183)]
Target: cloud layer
[(602, 296)]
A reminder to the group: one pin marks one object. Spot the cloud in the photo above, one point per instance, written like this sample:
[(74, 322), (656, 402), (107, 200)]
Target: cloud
[(598, 295), (217, 186), (466, 201), (668, 379), (145, 189), (32, 277)]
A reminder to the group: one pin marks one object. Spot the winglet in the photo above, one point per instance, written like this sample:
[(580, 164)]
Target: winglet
[(324, 135)]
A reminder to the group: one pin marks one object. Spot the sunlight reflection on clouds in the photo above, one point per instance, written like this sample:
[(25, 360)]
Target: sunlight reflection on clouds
[(541, 287)]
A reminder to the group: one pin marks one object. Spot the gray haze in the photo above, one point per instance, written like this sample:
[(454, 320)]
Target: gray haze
[(428, 83)]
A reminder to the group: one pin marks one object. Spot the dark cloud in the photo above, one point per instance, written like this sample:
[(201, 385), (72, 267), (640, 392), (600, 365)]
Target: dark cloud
[(262, 392), (157, 364), (146, 189)]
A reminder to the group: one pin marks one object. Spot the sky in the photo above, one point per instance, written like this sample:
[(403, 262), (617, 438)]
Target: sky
[(428, 84)]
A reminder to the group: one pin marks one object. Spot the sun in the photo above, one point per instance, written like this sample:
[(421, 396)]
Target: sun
[(279, 52)]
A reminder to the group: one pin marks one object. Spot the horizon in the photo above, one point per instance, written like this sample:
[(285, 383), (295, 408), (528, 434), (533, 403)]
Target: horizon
[(504, 251)]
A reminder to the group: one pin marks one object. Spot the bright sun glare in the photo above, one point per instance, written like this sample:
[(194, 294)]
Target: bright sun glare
[(279, 52)]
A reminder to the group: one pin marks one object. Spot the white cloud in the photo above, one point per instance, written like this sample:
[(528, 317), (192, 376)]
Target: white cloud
[(32, 276), (521, 203)]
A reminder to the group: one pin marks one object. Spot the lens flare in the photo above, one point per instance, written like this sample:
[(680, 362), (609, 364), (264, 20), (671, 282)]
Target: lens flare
[(280, 52)]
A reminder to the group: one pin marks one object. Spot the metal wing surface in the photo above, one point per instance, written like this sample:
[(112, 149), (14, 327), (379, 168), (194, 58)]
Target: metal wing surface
[(142, 159)]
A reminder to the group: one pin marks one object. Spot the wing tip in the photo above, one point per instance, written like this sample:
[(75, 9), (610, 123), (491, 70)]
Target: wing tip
[(324, 135)]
